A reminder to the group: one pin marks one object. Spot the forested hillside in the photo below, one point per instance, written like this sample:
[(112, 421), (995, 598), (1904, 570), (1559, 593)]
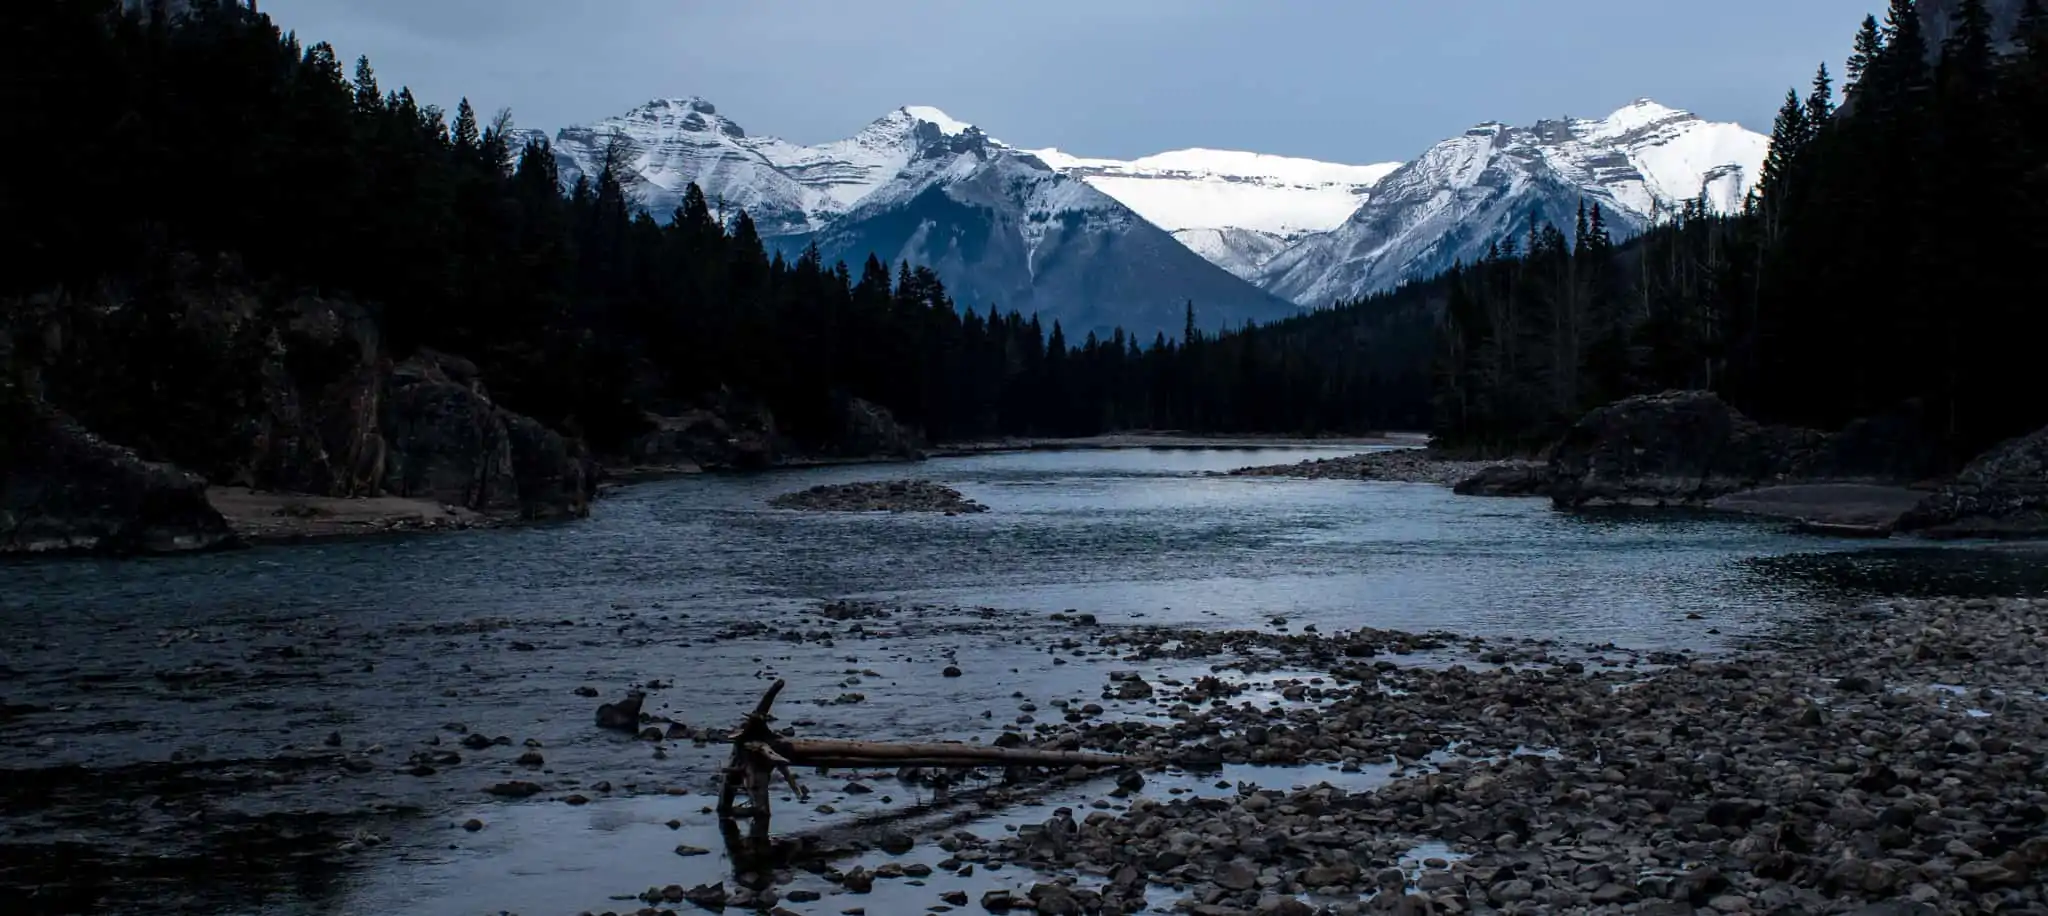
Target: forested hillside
[(1891, 254), (218, 153)]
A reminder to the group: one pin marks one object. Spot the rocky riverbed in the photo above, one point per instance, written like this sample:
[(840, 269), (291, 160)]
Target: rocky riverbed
[(880, 496), (1407, 465), (1892, 756)]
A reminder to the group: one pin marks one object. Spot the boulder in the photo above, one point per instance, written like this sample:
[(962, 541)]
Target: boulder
[(554, 475), (1507, 479), (2002, 493), (64, 489), (1678, 448), (448, 442)]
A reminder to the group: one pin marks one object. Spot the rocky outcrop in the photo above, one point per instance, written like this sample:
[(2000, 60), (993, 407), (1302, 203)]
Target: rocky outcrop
[(447, 440), (2003, 493), (1515, 478), (871, 431), (63, 489), (450, 443), (295, 397), (1678, 448), (732, 433), (729, 436)]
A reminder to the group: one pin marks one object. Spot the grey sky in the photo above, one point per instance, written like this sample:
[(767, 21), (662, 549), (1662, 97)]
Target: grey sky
[(1343, 80)]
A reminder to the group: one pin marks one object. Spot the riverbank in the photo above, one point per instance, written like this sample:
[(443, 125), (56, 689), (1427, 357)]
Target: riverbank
[(260, 517), (1889, 753), (1892, 754), (1404, 465)]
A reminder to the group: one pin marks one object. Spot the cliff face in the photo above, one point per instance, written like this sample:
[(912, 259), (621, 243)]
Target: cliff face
[(222, 386)]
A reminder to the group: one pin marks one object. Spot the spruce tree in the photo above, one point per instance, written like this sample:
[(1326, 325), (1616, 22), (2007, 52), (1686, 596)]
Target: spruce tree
[(368, 97), (1820, 103), (1869, 46), (468, 139)]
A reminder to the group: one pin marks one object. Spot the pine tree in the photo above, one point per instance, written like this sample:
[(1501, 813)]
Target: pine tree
[(368, 97), (1869, 46), (1820, 104), (468, 139)]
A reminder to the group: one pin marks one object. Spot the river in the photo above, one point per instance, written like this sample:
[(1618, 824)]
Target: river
[(169, 728)]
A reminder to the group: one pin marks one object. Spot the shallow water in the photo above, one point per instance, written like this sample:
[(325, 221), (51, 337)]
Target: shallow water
[(188, 701)]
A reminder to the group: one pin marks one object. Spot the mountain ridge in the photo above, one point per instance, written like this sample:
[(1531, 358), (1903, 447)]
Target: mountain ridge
[(1001, 227), (1639, 164)]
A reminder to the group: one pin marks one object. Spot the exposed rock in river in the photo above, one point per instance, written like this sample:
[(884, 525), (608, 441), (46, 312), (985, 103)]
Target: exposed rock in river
[(1405, 465), (891, 496), (2001, 494)]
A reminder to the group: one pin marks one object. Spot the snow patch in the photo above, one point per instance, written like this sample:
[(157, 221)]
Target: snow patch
[(946, 124)]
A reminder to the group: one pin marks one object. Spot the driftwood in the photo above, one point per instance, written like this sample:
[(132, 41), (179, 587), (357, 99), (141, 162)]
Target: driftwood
[(758, 754), (805, 750)]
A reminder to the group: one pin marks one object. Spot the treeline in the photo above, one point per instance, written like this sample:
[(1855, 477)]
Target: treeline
[(221, 142), (1890, 254)]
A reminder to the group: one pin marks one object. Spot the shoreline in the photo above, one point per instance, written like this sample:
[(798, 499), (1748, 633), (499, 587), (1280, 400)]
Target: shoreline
[(1170, 440), (275, 518)]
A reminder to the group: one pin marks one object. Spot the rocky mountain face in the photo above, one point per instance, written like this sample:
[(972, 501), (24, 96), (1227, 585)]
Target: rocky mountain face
[(1080, 240), (1462, 195), (999, 225), (1243, 252)]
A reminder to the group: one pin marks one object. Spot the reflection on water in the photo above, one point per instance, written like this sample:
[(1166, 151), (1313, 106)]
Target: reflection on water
[(232, 662)]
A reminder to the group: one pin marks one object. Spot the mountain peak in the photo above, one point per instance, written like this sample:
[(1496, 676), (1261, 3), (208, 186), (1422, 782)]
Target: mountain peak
[(1636, 115), (947, 124)]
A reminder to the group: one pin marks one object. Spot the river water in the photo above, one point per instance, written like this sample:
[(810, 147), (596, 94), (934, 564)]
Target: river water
[(169, 728)]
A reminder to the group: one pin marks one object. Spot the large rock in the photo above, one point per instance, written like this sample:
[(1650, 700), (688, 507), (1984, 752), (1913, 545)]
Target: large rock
[(729, 435), (1678, 448), (322, 387), (2003, 493), (555, 475), (64, 489), (447, 440)]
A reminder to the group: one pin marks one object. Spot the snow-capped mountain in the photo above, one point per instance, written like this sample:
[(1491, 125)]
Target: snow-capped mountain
[(999, 225), (787, 188), (1237, 209), (1638, 164)]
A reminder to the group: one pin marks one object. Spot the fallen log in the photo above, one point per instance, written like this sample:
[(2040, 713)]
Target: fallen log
[(759, 753), (802, 751)]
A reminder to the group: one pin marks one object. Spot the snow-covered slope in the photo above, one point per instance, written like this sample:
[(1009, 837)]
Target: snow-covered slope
[(1638, 164), (1236, 209), (1241, 251), (1000, 225), (1226, 189)]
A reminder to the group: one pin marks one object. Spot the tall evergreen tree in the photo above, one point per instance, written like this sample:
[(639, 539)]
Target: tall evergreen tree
[(1869, 46)]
